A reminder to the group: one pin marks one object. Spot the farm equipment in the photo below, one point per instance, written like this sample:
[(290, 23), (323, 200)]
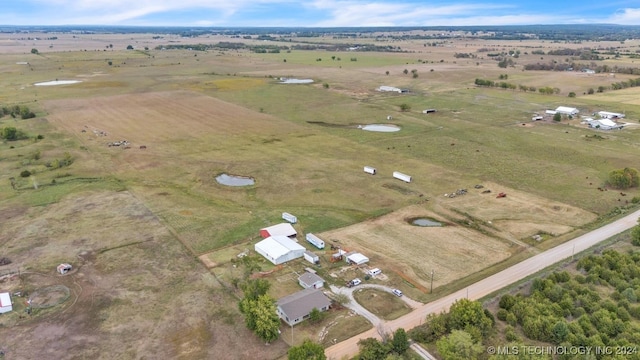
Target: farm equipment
[(501, 195)]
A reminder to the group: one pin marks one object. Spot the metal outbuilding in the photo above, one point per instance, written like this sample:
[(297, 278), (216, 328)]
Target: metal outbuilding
[(279, 249), (5, 303), (282, 229)]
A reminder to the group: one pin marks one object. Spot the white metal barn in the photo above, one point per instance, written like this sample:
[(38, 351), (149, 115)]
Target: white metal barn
[(279, 249), (567, 110), (5, 303), (283, 229), (389, 89), (400, 176)]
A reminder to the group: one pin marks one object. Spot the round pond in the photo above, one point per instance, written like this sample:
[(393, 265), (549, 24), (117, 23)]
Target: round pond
[(381, 128), (234, 180)]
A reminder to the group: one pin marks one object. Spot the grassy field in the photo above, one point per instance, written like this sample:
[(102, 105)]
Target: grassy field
[(381, 303), (135, 221)]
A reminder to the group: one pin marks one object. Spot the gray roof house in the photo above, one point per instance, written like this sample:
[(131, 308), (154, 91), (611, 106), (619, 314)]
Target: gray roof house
[(310, 281), (296, 307)]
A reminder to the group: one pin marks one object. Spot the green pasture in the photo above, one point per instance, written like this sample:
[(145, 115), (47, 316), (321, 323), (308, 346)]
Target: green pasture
[(315, 169)]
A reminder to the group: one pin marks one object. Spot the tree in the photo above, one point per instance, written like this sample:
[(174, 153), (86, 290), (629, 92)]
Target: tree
[(34, 51), (10, 133), (405, 71), (129, 47), (342, 299), (315, 315), (405, 107), (623, 178), (266, 319), (465, 313), (308, 350), (572, 94), (400, 342), (557, 117), (254, 288), (372, 349), (635, 236), (459, 345)]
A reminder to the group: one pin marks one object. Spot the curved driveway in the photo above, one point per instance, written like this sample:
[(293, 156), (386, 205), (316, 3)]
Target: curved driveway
[(530, 266)]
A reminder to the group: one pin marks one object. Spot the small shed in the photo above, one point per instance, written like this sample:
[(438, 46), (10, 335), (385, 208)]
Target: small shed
[(370, 170), (310, 281), (311, 257), (5, 303), (356, 258), (282, 229), (64, 268)]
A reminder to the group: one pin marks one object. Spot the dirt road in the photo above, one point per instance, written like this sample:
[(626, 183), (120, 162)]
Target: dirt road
[(490, 284)]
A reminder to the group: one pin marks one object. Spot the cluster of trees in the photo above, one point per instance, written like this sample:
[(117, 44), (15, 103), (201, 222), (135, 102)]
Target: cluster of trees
[(390, 348), (593, 310), (505, 85), (10, 133), (17, 111), (460, 333), (623, 178), (259, 310)]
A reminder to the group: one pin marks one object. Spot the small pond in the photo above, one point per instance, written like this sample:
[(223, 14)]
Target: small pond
[(234, 180), (296, 81), (57, 82), (425, 222), (381, 128)]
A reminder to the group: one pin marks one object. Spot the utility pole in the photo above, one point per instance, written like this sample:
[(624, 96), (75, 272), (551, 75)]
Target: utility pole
[(431, 291)]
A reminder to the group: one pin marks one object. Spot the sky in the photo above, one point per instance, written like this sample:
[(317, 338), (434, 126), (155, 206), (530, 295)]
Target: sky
[(317, 13)]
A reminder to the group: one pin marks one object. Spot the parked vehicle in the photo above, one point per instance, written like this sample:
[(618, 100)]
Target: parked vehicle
[(397, 292), (374, 272), (356, 282)]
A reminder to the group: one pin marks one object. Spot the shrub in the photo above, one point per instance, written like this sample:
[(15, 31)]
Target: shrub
[(25, 173)]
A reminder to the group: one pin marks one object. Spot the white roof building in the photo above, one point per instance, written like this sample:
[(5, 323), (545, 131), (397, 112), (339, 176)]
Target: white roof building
[(567, 110), (357, 258), (5, 303), (610, 115), (389, 88), (279, 249), (282, 229), (604, 124)]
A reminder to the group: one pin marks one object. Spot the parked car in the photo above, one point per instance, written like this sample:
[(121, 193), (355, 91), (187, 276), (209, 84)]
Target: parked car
[(356, 282), (396, 292)]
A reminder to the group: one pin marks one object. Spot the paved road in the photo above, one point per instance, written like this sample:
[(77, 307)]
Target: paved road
[(490, 284)]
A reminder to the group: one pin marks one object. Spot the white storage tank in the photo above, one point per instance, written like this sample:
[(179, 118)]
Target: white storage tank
[(400, 176), (370, 170)]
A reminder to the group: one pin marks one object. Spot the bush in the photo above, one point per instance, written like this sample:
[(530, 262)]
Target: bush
[(25, 173), (502, 314), (623, 178)]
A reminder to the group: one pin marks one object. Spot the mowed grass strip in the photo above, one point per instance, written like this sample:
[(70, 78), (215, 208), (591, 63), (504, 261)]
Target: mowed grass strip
[(381, 303)]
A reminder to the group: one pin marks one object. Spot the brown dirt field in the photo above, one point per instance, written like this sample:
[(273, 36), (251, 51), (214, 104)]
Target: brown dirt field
[(135, 291), (391, 243), (455, 251)]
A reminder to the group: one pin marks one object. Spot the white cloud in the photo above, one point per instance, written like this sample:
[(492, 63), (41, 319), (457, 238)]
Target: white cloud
[(628, 16)]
